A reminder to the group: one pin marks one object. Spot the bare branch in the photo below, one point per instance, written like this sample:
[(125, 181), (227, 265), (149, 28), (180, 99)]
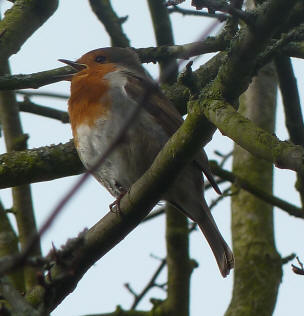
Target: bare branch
[(43, 94), (148, 287), (21, 21), (298, 270), (39, 164), (18, 304), (112, 23), (31, 107), (177, 9), (246, 185)]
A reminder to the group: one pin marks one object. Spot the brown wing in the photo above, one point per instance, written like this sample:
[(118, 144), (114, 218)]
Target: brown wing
[(165, 114), (155, 103)]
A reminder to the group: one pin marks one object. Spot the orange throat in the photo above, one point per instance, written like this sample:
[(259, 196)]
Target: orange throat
[(90, 99)]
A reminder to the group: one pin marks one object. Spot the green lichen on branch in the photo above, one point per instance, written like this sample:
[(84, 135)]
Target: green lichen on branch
[(254, 139), (40, 164), (21, 21)]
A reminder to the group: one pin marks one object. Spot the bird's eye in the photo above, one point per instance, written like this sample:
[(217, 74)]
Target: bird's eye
[(100, 59)]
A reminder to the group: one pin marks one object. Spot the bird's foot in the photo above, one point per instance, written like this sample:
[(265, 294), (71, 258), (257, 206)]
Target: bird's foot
[(115, 206)]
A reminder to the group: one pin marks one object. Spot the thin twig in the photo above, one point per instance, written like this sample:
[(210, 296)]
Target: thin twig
[(149, 286), (246, 185), (221, 17), (298, 270), (43, 94), (224, 157), (219, 198), (288, 258), (219, 5), (30, 107)]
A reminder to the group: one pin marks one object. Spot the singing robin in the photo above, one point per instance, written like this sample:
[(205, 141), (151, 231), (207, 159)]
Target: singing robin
[(109, 84)]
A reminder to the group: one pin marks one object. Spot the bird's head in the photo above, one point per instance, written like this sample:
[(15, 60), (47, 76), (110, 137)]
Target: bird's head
[(99, 59)]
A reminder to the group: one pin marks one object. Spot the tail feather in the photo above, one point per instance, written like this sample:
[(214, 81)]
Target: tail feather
[(203, 163), (222, 253)]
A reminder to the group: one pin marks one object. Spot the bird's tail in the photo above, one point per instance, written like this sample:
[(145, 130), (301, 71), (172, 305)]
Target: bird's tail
[(222, 253), (200, 213)]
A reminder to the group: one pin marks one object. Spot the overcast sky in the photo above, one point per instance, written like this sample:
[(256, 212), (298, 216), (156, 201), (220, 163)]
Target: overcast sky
[(70, 32)]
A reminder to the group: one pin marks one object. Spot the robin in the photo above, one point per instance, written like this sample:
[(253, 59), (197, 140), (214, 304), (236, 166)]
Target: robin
[(109, 84)]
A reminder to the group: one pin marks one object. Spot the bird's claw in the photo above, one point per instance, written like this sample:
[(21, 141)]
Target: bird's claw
[(115, 206)]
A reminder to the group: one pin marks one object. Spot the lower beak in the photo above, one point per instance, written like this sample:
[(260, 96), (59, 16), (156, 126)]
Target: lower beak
[(73, 64)]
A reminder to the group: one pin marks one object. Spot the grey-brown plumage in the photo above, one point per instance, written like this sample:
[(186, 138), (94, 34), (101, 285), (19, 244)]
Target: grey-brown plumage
[(120, 82)]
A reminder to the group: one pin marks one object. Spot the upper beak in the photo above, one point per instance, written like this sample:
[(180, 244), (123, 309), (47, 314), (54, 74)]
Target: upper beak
[(73, 64)]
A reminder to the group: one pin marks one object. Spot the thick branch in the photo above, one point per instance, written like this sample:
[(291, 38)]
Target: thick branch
[(292, 108), (40, 164), (245, 48), (254, 139), (258, 273), (22, 197), (18, 304), (21, 21), (35, 80), (178, 262), (291, 100), (9, 246)]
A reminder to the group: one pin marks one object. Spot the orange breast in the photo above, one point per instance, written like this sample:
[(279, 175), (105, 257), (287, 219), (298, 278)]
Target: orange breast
[(89, 98)]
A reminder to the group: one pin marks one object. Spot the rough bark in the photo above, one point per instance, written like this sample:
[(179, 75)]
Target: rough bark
[(258, 268)]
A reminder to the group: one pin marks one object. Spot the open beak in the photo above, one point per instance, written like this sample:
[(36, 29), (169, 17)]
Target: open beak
[(73, 64)]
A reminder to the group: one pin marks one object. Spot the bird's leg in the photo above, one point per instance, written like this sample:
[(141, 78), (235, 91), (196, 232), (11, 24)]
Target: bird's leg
[(115, 206)]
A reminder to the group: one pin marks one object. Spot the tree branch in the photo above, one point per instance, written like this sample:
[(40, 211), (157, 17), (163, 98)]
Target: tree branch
[(43, 94), (149, 286), (21, 21), (8, 247), (176, 9), (112, 23), (35, 80), (245, 48), (292, 108), (40, 164), (258, 192), (164, 36), (15, 140), (17, 303), (220, 5), (31, 107)]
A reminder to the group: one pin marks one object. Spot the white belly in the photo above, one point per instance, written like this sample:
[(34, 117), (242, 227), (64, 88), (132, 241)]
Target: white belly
[(131, 157)]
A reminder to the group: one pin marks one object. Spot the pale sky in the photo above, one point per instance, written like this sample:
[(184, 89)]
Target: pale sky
[(70, 32)]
